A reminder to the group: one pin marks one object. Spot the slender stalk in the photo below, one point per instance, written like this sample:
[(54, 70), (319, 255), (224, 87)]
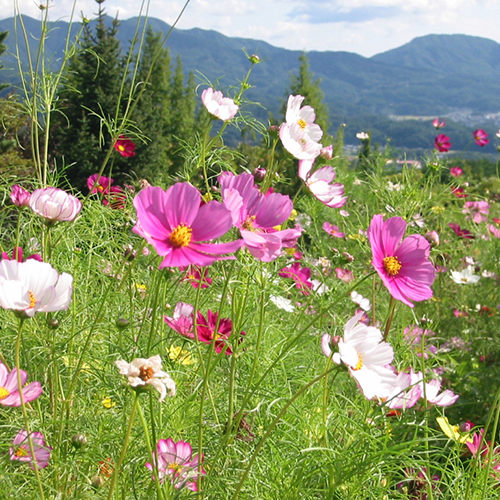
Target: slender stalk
[(390, 316), (126, 439)]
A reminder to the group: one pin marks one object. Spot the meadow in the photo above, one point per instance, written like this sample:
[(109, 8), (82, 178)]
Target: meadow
[(242, 328)]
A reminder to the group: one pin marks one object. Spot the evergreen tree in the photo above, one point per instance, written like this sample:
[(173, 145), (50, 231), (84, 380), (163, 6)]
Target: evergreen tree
[(92, 88)]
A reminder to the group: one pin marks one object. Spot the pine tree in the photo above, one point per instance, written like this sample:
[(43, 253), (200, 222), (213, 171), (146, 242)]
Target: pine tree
[(92, 88)]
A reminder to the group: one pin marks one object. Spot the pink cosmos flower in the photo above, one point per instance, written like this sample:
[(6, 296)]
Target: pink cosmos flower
[(20, 449), (481, 137), (19, 196), (494, 230), (99, 184), (33, 286), (446, 398), (333, 230), (256, 215), (344, 274), (175, 224), (456, 171), (327, 153), (300, 275), (478, 210), (9, 388), (197, 276), (321, 184), (459, 192), (125, 146), (217, 105), (403, 265), (182, 320), (436, 123), (442, 143), (55, 204), (176, 462), (462, 233)]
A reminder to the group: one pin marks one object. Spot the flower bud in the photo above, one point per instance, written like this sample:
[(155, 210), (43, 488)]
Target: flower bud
[(78, 440), (259, 173), (53, 323), (96, 482), (433, 238), (273, 130), (122, 322), (466, 426), (327, 153), (254, 59), (19, 196)]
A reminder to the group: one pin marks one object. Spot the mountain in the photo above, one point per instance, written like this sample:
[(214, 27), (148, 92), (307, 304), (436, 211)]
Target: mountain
[(434, 75)]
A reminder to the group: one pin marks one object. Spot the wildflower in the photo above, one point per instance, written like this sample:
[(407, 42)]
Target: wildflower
[(125, 146), (17, 254), (333, 230), (108, 403), (282, 303), (180, 355), (175, 461), (304, 117), (32, 286), (436, 123), (459, 192), (432, 237), (197, 276), (182, 320), (55, 204), (414, 335), (20, 449), (362, 136), (144, 373), (217, 105), (174, 224), (327, 153), (344, 274), (453, 431), (416, 485), (494, 230), (465, 277), (321, 184), (99, 184), (459, 314), (481, 137), (361, 301), (300, 275), (477, 210), (403, 265), (344, 213), (366, 356), (19, 196), (259, 174), (9, 387), (442, 143), (462, 233), (115, 198), (456, 171), (400, 397)]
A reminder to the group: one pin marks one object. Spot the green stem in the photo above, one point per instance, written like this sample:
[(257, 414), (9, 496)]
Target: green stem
[(126, 439), (24, 411), (388, 324)]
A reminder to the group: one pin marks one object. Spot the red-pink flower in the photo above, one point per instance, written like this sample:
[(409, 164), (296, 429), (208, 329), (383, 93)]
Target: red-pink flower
[(99, 184), (459, 192), (462, 233), (175, 461), (436, 123), (20, 449), (19, 196), (197, 276), (481, 137), (9, 387), (125, 146), (115, 198), (442, 143), (175, 224), (17, 254), (300, 275), (456, 171), (402, 264), (333, 230)]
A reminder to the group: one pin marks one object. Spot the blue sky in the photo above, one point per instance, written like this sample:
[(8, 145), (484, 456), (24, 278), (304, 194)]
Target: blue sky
[(366, 27)]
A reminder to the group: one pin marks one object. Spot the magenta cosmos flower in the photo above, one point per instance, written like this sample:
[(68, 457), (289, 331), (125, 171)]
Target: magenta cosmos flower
[(19, 196), (125, 146), (333, 230), (301, 276), (456, 171), (175, 461), (442, 143), (403, 266), (99, 184), (438, 124), (55, 204), (20, 449), (481, 137), (9, 388), (175, 224), (217, 105)]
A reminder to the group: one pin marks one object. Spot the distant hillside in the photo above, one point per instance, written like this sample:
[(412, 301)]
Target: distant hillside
[(435, 75)]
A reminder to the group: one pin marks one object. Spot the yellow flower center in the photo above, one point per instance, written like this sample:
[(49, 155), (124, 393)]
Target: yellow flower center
[(302, 123), (248, 224), (146, 373), (32, 299), (4, 393), (359, 364), (392, 265), (121, 148), (175, 466), (21, 452), (181, 236)]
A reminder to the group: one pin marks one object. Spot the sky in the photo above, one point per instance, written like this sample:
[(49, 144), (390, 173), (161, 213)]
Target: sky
[(366, 27)]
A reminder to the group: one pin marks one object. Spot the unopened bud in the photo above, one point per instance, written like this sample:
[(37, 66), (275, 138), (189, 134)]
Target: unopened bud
[(53, 323), (96, 482), (433, 238), (466, 426), (254, 59), (327, 153), (130, 254), (78, 440), (122, 322), (274, 130), (259, 173)]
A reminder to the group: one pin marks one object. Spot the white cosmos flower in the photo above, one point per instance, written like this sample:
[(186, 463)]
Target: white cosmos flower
[(33, 286), (147, 372), (304, 117), (219, 106), (362, 302), (465, 276), (296, 141), (282, 303), (365, 354)]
